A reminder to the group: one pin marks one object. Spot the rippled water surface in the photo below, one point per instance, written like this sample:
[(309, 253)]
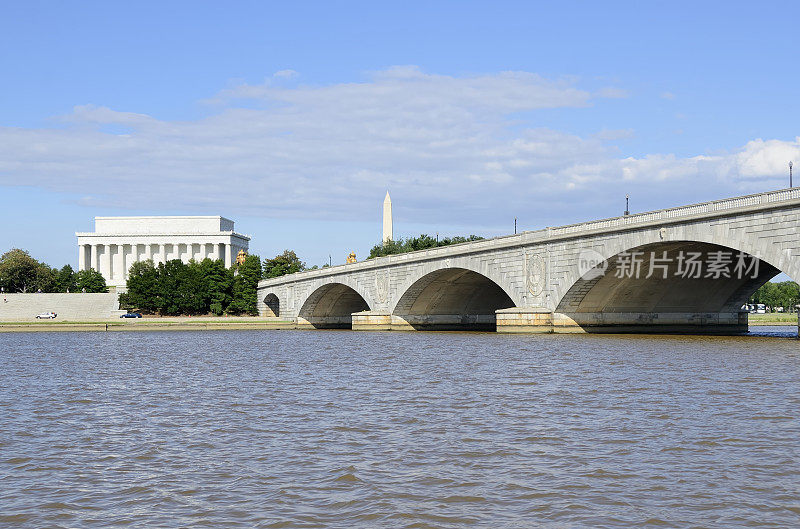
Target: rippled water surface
[(343, 429)]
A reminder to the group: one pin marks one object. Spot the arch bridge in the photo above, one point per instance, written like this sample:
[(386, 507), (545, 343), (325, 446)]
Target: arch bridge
[(686, 269)]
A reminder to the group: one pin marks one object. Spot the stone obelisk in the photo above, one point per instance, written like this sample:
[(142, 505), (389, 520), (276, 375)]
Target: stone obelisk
[(387, 218)]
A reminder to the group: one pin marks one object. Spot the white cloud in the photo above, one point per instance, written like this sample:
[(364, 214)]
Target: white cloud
[(613, 93), (93, 114), (760, 157), (613, 135), (449, 148), (285, 74)]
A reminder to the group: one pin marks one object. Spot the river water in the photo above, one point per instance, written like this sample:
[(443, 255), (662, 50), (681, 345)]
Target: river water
[(343, 429)]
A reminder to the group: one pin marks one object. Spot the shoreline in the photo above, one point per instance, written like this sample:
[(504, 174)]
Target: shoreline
[(196, 324), (149, 324)]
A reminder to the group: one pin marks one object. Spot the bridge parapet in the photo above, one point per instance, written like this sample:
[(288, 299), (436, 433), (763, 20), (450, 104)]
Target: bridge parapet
[(703, 209)]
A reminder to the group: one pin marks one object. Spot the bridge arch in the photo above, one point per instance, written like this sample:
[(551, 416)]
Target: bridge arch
[(649, 280), (331, 306), (272, 305), (451, 298)]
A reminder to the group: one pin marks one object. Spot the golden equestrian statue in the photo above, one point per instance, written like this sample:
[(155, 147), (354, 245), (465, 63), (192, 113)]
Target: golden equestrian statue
[(240, 257), (352, 258)]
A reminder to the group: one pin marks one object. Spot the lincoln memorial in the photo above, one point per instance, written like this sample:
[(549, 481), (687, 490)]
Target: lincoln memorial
[(118, 242)]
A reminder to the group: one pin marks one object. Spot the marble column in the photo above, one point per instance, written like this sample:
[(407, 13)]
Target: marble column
[(227, 255), (105, 265), (118, 265), (127, 260), (81, 257), (148, 251), (111, 262), (162, 253), (93, 259)]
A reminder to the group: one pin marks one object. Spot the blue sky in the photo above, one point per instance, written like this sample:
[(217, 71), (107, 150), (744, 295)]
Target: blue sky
[(294, 119)]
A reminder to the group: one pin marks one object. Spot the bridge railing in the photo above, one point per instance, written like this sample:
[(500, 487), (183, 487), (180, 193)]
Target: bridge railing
[(678, 212)]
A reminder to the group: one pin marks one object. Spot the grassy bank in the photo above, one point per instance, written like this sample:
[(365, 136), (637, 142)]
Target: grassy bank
[(774, 318)]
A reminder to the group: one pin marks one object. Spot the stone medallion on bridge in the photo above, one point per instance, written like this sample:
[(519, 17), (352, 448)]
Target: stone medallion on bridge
[(382, 286), (290, 297), (535, 276)]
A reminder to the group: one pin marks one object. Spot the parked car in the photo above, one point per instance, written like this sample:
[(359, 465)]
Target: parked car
[(131, 315), (46, 316)]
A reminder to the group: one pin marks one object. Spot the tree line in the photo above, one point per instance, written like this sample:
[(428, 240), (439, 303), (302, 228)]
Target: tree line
[(785, 294), (174, 288), (171, 288), (412, 244), (21, 273)]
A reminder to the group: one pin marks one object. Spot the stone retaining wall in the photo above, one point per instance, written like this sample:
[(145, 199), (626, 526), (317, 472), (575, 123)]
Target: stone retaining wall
[(69, 307)]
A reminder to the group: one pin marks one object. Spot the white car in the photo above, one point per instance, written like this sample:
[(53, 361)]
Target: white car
[(46, 316)]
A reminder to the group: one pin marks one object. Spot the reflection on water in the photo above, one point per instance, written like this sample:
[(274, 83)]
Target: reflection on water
[(784, 331), (341, 429)]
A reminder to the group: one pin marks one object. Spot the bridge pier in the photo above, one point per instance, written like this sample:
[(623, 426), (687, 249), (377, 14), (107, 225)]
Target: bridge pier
[(372, 320), (383, 321), (536, 320), (323, 322), (541, 320)]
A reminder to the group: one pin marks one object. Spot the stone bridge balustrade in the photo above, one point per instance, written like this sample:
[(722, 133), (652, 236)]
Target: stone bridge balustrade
[(539, 282)]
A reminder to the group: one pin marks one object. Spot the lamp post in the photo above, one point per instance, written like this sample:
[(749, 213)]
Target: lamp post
[(627, 209), (790, 174)]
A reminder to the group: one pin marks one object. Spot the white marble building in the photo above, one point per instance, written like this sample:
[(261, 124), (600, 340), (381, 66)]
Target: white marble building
[(118, 242)]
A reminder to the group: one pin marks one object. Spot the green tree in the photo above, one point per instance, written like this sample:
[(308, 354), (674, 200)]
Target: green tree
[(413, 244), (218, 285), (423, 242), (46, 279), (142, 288), (168, 289), (790, 294), (65, 279), (175, 288), (19, 272), (90, 280), (192, 293), (283, 264), (785, 294), (447, 241), (245, 287), (389, 247)]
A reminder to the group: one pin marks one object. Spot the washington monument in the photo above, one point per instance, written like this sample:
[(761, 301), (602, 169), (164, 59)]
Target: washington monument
[(387, 218)]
